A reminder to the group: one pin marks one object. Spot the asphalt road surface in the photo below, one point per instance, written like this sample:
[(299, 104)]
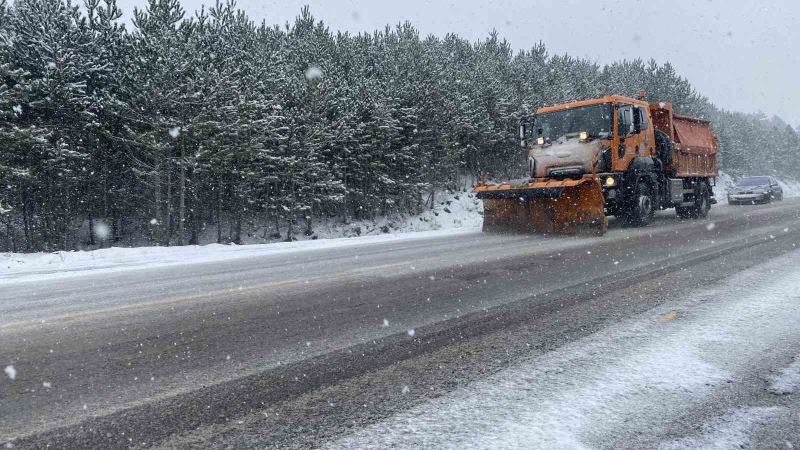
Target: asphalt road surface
[(304, 349)]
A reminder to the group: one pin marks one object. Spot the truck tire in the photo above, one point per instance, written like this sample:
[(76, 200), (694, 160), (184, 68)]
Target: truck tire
[(701, 206), (663, 147), (640, 209)]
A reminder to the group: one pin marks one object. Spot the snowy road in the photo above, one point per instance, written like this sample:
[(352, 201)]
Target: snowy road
[(281, 348), (671, 370)]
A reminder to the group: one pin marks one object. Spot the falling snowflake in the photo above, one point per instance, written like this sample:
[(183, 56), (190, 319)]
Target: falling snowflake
[(313, 73), (47, 384), (11, 372), (385, 323), (411, 332), (102, 231), (405, 390), (51, 65), (175, 132), (711, 226), (17, 109), (153, 221)]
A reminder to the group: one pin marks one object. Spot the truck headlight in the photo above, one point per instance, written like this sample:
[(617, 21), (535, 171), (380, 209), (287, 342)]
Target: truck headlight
[(540, 141), (583, 136), (610, 182)]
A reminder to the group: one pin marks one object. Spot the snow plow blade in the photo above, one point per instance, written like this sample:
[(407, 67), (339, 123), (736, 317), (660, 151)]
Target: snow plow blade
[(556, 206)]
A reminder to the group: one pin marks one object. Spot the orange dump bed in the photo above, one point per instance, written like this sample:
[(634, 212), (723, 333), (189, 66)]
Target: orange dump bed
[(695, 153)]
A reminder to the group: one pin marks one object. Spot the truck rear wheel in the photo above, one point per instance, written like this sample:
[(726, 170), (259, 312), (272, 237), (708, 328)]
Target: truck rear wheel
[(701, 206), (641, 209)]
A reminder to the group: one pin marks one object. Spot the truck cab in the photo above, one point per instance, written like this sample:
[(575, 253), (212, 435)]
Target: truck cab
[(591, 136), (644, 156)]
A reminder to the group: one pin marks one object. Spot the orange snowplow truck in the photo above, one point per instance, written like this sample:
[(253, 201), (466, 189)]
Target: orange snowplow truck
[(611, 156)]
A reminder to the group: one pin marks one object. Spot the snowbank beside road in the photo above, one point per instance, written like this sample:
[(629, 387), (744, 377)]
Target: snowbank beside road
[(450, 211), (452, 214), (28, 266)]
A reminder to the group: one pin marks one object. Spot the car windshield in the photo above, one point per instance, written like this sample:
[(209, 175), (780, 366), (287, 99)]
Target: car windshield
[(597, 120), (754, 181)]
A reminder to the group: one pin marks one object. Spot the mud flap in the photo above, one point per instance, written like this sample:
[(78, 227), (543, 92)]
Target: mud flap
[(566, 207)]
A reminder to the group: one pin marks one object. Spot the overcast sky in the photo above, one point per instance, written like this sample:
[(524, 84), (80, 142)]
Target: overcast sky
[(741, 54)]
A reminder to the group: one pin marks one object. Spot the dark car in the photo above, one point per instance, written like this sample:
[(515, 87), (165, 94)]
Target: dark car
[(751, 190)]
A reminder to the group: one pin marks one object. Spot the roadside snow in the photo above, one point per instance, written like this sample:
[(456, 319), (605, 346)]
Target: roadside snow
[(730, 431), (790, 188), (459, 213), (30, 266), (724, 184), (788, 381), (450, 211), (606, 389)]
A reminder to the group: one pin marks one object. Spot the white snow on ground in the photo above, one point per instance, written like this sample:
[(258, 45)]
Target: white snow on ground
[(790, 188), (453, 214), (731, 431), (612, 385), (450, 210), (28, 266), (788, 381), (724, 184)]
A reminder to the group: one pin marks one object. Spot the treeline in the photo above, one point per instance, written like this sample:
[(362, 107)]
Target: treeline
[(184, 126)]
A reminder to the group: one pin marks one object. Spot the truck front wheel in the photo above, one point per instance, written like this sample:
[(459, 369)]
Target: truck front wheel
[(641, 208)]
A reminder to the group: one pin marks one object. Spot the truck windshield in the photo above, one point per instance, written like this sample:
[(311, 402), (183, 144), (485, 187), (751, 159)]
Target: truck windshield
[(597, 120)]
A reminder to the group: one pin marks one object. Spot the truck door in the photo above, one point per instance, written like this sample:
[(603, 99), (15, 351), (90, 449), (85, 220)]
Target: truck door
[(634, 136), (646, 140), (624, 145)]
